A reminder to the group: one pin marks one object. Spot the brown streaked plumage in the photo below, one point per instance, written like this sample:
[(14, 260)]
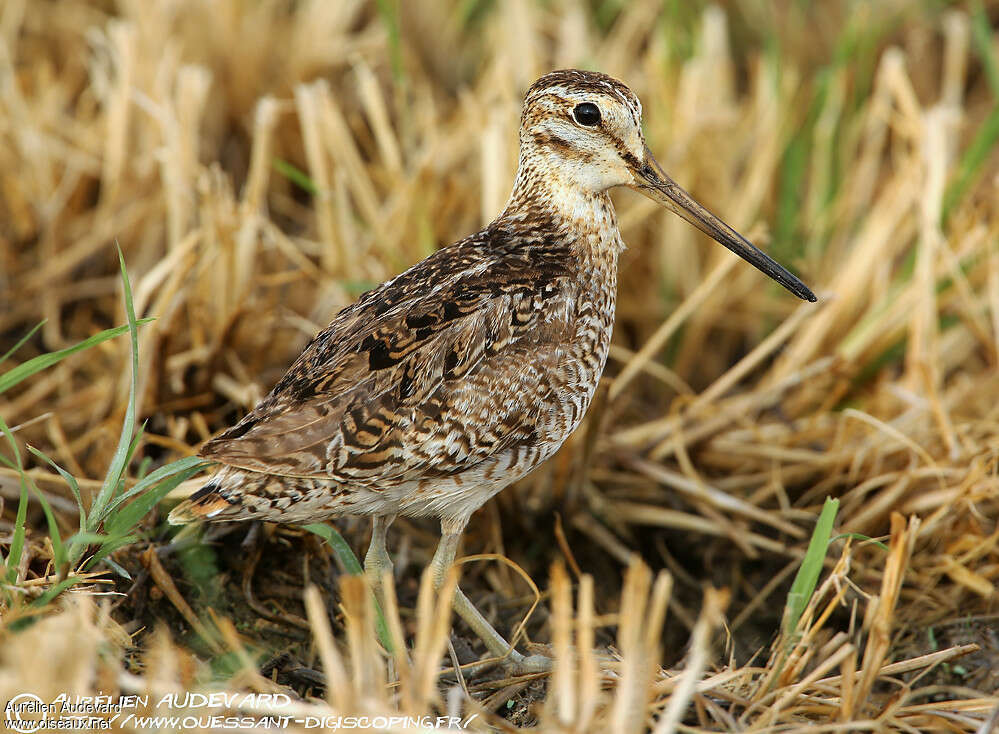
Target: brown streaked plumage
[(442, 386)]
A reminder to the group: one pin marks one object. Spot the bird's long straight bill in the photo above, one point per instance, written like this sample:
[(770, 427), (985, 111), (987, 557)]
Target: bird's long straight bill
[(652, 181)]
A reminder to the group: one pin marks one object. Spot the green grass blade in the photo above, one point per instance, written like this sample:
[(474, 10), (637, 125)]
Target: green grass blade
[(17, 540), (118, 569), (58, 551), (82, 541), (296, 175), (53, 591), (147, 461), (979, 150), (339, 546), (981, 38), (863, 538), (807, 577), (109, 547), (121, 455), (389, 12), (133, 446), (84, 538), (352, 566), (164, 472), (21, 341), (43, 361), (59, 558), (69, 479), (126, 519), (972, 160)]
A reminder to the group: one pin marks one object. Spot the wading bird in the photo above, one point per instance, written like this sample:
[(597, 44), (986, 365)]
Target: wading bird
[(439, 388)]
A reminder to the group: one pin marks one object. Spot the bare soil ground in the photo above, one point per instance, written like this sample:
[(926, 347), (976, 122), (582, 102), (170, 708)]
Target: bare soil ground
[(261, 164)]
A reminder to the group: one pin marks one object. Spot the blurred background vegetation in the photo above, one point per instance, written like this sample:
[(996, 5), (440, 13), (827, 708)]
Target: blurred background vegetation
[(260, 163)]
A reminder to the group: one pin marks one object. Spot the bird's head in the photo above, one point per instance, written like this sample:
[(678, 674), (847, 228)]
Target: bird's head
[(584, 130)]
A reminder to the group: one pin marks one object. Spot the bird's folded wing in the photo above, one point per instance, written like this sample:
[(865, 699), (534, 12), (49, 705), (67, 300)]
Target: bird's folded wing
[(430, 386)]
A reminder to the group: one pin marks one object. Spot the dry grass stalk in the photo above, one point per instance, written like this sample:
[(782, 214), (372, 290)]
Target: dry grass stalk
[(643, 609), (715, 602), (730, 413), (883, 606)]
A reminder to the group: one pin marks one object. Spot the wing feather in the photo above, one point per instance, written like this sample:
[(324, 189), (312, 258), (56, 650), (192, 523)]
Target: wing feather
[(431, 372)]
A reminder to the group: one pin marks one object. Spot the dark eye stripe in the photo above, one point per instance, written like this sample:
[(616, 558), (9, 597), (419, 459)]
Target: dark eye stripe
[(586, 114)]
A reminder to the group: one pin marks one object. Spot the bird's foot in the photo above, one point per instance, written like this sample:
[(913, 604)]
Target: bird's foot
[(513, 665), (528, 664)]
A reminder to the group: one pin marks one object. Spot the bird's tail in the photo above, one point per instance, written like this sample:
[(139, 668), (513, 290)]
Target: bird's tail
[(208, 503), (239, 494), (232, 494)]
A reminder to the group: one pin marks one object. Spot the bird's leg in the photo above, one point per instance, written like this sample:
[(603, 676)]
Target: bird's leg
[(376, 560), (443, 559)]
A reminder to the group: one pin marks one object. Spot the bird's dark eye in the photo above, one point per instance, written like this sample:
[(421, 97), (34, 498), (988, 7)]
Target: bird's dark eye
[(587, 114)]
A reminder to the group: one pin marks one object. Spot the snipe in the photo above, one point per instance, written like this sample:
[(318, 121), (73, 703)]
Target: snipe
[(442, 386)]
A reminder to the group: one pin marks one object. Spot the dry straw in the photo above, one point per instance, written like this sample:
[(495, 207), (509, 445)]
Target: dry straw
[(262, 163)]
